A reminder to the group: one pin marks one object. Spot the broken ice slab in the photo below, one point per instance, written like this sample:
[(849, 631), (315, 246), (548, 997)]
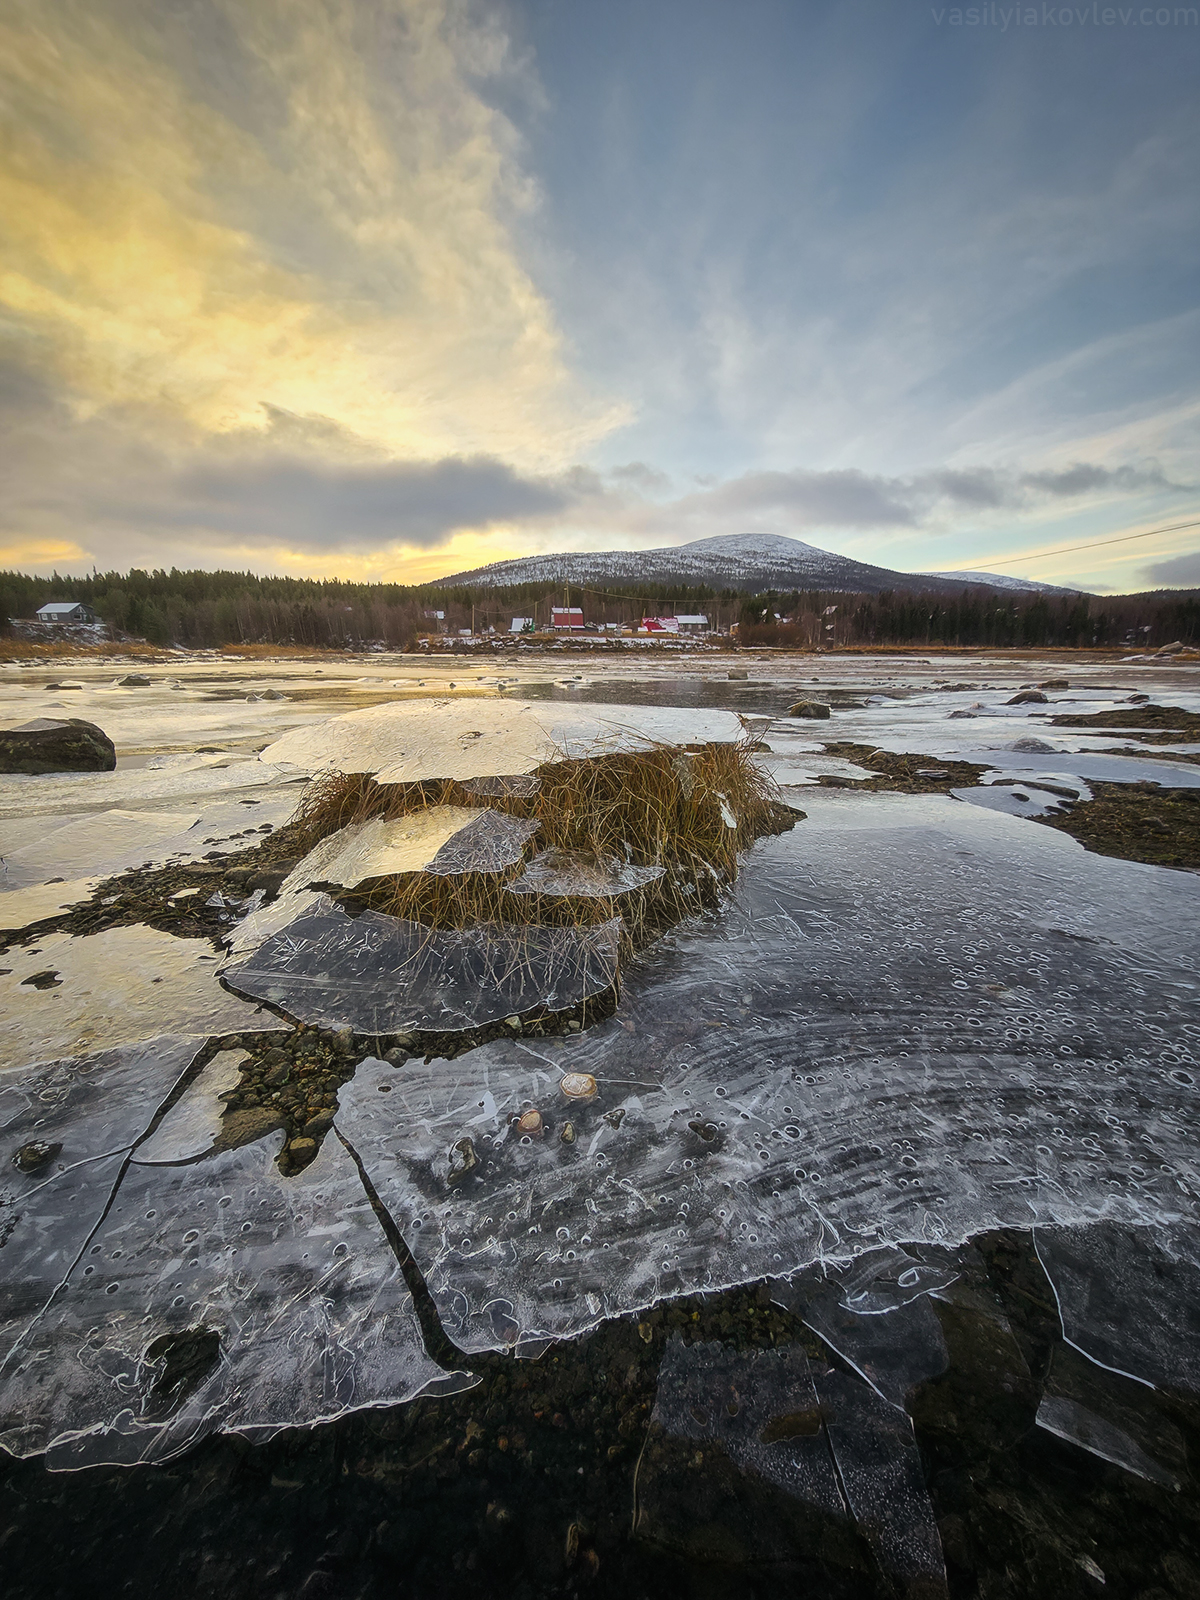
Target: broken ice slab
[(192, 1125), (839, 1460), (581, 874), (64, 995), (1091, 767), (521, 787), (381, 847), (1129, 1296), (879, 1467), (1021, 800), (903, 1027), (736, 1466), (491, 842), (412, 740), (65, 1133), (876, 1314), (19, 908), (1063, 784), (94, 846), (219, 1295), (1112, 1417), (382, 975)]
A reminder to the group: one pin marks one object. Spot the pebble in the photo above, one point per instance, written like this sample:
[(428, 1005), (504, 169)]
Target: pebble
[(578, 1085)]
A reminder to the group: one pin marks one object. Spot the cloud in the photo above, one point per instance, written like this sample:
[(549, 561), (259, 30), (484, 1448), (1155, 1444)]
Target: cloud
[(1180, 572), (336, 235), (334, 508)]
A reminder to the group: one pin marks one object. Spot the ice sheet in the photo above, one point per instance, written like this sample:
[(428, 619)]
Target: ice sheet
[(294, 1276), (411, 740), (54, 794), (382, 975), (915, 1021), (21, 907), (93, 1108), (118, 987), (1129, 1297), (1022, 800), (95, 846)]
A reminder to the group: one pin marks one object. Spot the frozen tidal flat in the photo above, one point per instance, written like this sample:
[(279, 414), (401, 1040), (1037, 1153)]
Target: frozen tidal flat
[(914, 1020)]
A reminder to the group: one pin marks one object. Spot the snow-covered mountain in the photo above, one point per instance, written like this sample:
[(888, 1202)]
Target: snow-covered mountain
[(997, 580), (749, 561)]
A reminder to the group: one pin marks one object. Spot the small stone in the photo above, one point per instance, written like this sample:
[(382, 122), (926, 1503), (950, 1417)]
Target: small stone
[(396, 1057), (578, 1086), (34, 1155), (568, 1133), (513, 1022), (957, 714), (319, 1124), (302, 1149), (278, 1074), (813, 709), (1054, 683), (615, 1118), (274, 1056), (134, 680), (462, 1160), (530, 1123), (1028, 697)]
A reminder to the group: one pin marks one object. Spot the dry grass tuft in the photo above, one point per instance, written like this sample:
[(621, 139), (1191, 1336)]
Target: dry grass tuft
[(664, 808)]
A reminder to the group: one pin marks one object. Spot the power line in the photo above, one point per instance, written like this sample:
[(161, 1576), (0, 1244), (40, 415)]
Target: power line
[(1124, 538)]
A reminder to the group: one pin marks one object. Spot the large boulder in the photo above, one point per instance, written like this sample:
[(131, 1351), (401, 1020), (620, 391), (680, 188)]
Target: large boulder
[(48, 744)]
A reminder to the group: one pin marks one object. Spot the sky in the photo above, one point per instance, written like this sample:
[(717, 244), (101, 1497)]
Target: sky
[(393, 288)]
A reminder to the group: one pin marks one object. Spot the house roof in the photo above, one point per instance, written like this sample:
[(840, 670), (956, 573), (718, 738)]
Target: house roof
[(61, 605)]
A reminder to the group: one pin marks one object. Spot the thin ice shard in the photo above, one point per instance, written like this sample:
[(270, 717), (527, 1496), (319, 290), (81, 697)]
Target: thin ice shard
[(379, 974), (579, 874), (876, 1314), (1111, 1417)]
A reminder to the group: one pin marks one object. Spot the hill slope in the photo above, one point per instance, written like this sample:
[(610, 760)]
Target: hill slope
[(749, 561)]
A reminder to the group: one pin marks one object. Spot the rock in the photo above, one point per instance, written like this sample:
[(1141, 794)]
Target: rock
[(278, 1073), (271, 694), (1171, 649), (1033, 747), (301, 1151), (43, 980), (955, 714), (809, 708), (1054, 683), (578, 1086), (318, 1125), (462, 1160), (34, 1155), (134, 680), (57, 745), (568, 1133), (244, 1127), (62, 688), (530, 1124), (1028, 697)]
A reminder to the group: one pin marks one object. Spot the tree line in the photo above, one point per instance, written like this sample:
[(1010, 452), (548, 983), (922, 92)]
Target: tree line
[(212, 609)]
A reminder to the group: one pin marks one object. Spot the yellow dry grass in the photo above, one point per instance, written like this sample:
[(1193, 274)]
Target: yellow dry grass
[(664, 807)]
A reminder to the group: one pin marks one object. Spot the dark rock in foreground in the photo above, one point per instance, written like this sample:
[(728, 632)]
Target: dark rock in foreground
[(48, 744)]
